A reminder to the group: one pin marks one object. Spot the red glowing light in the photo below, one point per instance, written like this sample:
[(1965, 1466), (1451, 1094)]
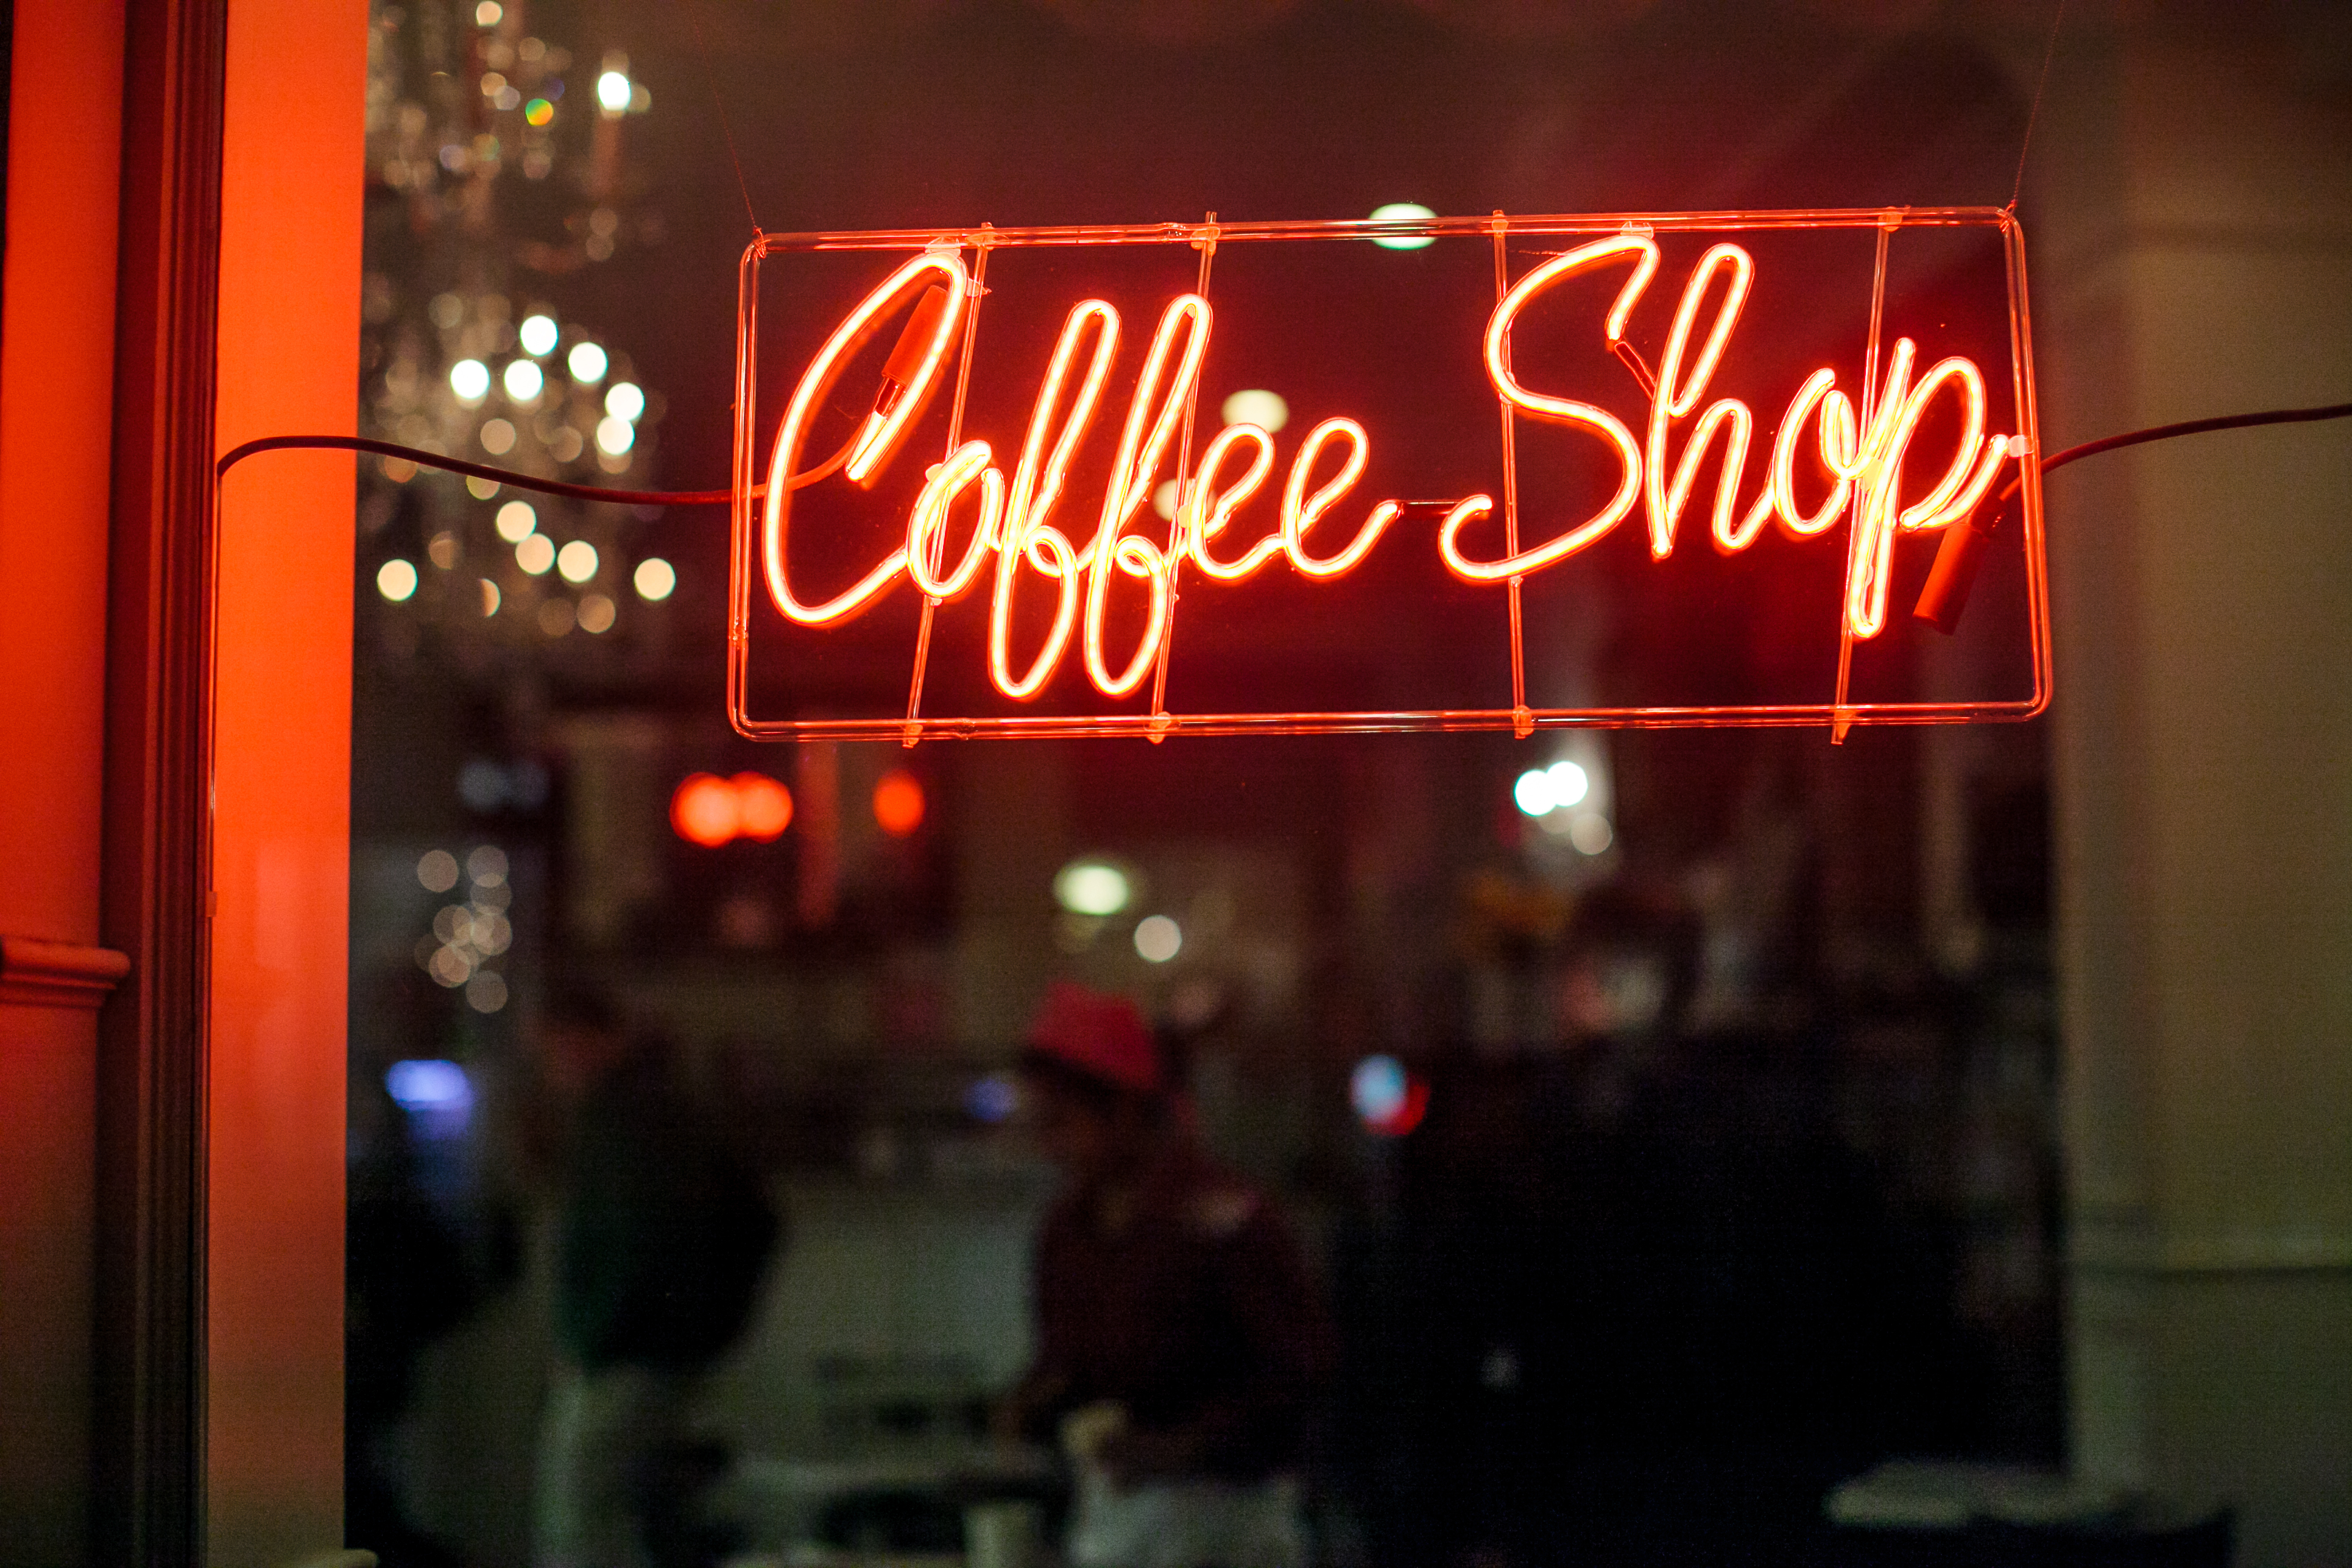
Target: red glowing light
[(763, 809), (1859, 437), (703, 810), (1409, 1112), (710, 811), (898, 802)]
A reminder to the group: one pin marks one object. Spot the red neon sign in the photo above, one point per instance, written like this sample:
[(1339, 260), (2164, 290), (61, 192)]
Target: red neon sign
[(1890, 453)]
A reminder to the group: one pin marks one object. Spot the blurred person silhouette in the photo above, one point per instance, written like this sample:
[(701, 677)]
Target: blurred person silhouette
[(1179, 1339), (664, 1236)]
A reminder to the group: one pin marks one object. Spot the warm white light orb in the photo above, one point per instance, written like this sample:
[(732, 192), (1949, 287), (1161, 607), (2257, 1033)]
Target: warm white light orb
[(613, 92), (588, 362), (535, 554), (1266, 410), (516, 521), (625, 401), (1092, 888), (470, 380), (523, 379), (656, 579), (395, 580), (1403, 212), (615, 436), (576, 561), (1158, 939), (1569, 782), (1533, 792), (537, 334)]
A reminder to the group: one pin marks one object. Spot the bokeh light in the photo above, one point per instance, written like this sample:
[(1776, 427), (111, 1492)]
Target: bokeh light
[(587, 363), (613, 92), (898, 802), (497, 440), (535, 554), (491, 597), (1403, 212), (1389, 1100), (1532, 792), (396, 579), (537, 112), (763, 809), (1269, 411), (537, 334), (625, 401), (656, 579), (614, 435), (524, 379), (703, 810), (576, 561), (1158, 939), (487, 13), (597, 614), (1591, 833), (1092, 888), (1377, 1088), (438, 870), (516, 521), (487, 866), (470, 380)]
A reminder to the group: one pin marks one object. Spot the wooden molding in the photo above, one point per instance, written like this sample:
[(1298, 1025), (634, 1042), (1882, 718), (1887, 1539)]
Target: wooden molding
[(37, 973), (148, 1424)]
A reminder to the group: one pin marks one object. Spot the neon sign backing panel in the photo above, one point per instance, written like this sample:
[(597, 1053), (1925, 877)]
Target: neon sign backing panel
[(1078, 624)]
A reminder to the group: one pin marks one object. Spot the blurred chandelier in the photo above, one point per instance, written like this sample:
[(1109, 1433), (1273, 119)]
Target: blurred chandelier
[(495, 169)]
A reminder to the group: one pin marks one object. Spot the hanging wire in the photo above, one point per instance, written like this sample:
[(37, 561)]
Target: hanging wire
[(726, 127), (2049, 52), (424, 459)]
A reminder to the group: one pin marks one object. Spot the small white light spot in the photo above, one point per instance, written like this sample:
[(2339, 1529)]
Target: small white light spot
[(614, 435), (613, 92), (1158, 939), (1533, 792), (576, 561), (626, 400), (1403, 212), (587, 362), (516, 521), (538, 335), (1569, 783), (395, 580), (524, 379), (1266, 410), (656, 578), (487, 13), (1092, 888), (470, 380)]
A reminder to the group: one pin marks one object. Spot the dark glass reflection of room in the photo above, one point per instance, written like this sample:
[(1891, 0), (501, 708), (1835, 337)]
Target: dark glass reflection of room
[(1249, 1152)]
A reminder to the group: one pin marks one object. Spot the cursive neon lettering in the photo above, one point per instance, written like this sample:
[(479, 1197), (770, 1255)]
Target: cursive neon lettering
[(1863, 460)]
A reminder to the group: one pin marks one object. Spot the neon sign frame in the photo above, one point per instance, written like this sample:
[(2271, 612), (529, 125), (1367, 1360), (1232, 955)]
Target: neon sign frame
[(1862, 445)]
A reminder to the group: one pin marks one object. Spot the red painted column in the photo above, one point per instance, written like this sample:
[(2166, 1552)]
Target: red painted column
[(289, 278), (56, 362)]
